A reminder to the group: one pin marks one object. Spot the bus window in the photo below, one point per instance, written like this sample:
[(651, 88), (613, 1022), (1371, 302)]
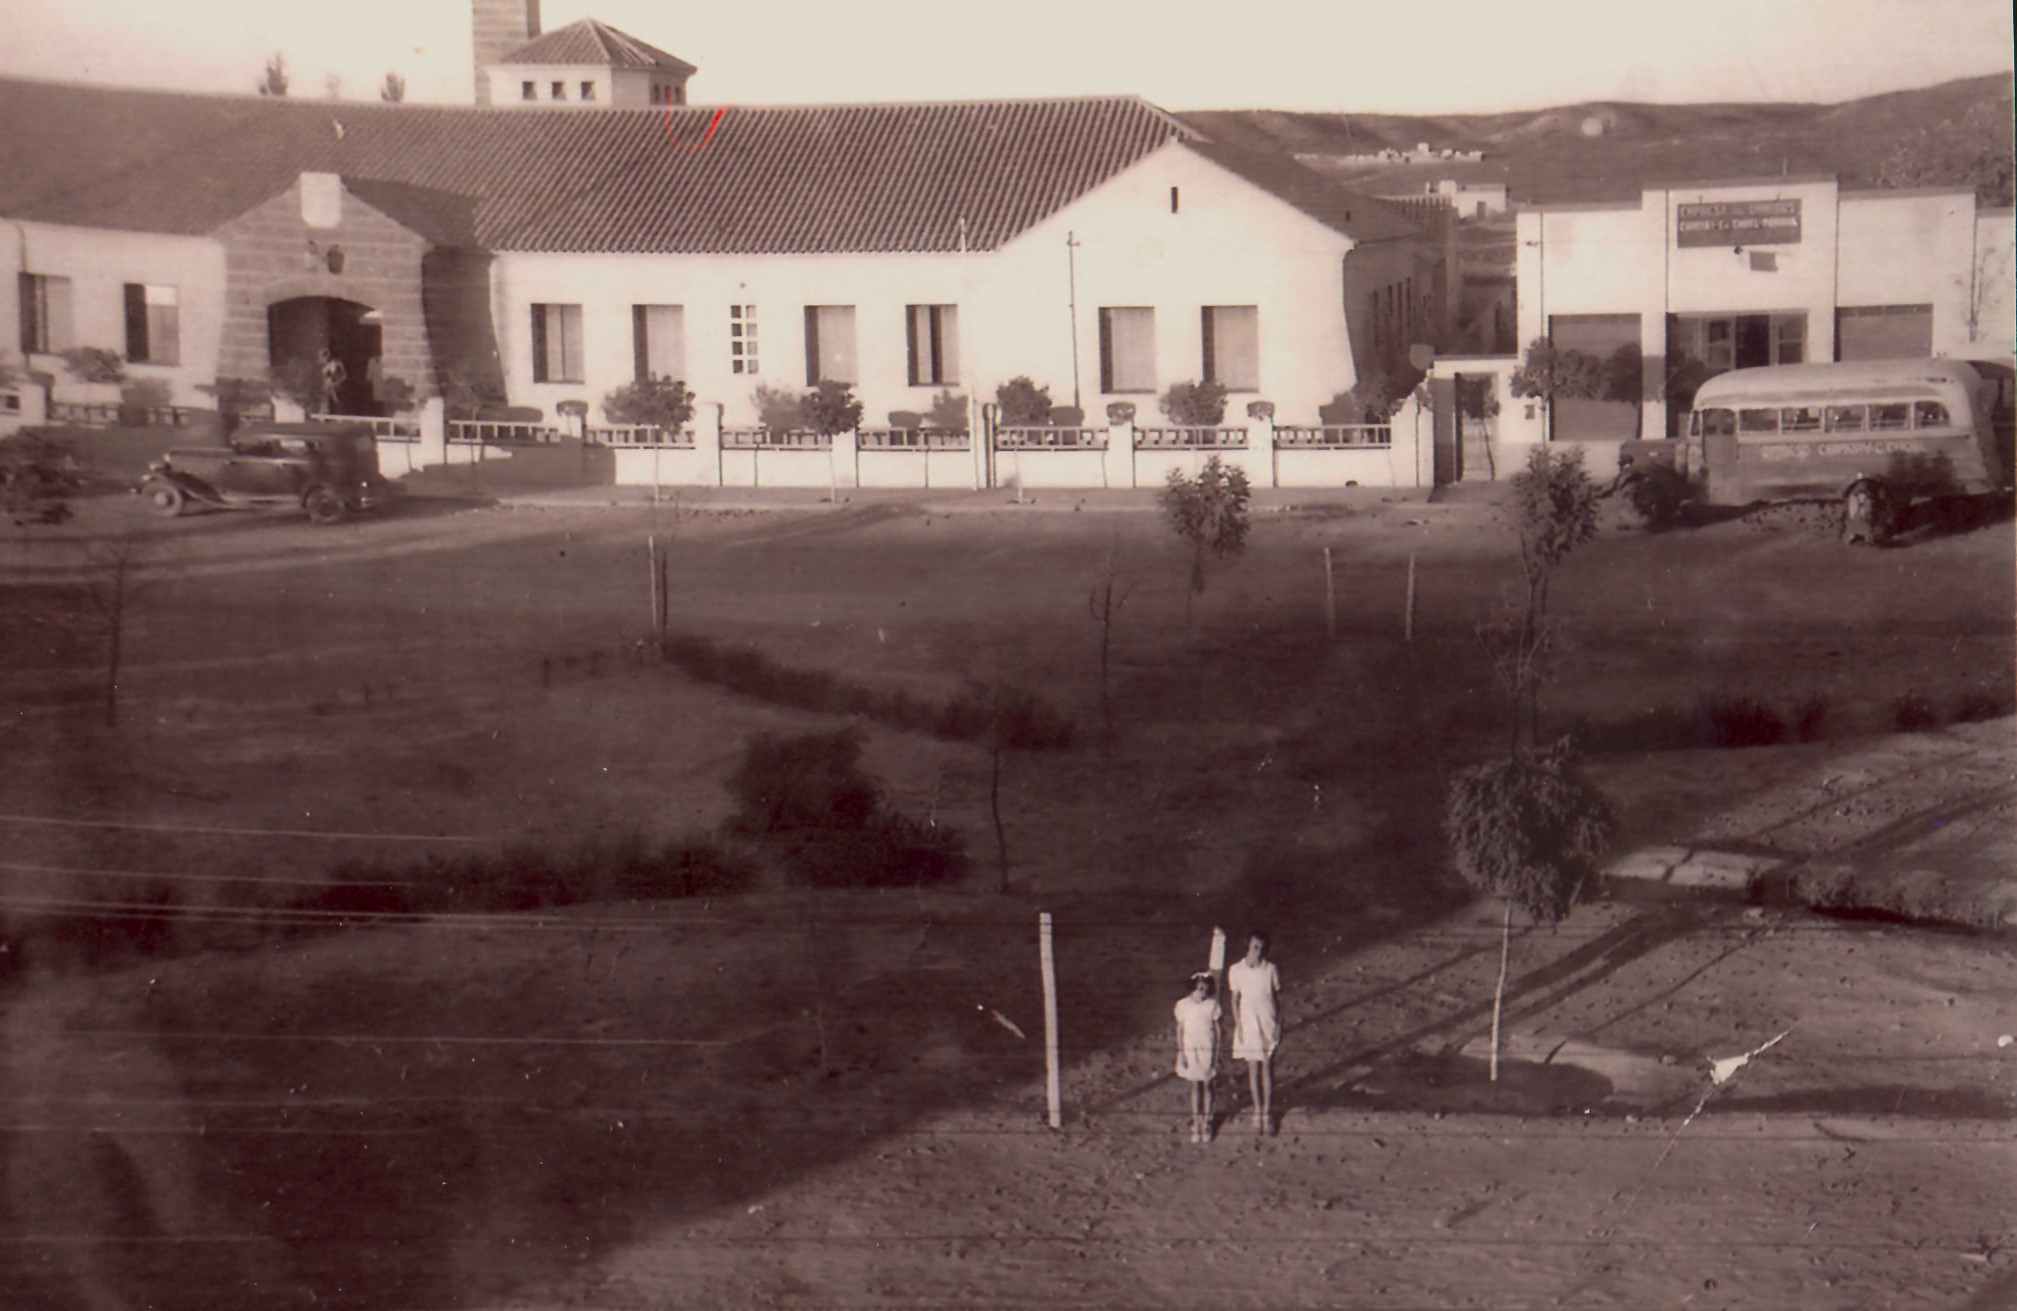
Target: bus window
[(1758, 421), (1845, 418), (1716, 423), (1800, 418), (1890, 417), (1929, 414)]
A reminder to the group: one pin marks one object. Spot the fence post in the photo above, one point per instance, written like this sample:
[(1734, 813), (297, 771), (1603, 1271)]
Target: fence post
[(1049, 963)]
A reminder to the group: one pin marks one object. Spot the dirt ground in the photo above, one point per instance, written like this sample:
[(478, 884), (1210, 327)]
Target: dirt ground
[(837, 1099)]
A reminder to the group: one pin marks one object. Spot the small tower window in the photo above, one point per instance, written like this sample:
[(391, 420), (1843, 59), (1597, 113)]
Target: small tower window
[(527, 91), (560, 90), (1173, 200), (588, 90)]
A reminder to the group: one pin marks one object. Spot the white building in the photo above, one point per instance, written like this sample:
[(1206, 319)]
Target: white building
[(544, 255), (1766, 271)]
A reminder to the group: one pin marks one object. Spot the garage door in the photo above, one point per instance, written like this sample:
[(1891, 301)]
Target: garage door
[(1884, 332)]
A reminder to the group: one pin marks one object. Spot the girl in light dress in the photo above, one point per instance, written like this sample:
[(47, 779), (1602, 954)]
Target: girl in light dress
[(1257, 1024), (1197, 1027)]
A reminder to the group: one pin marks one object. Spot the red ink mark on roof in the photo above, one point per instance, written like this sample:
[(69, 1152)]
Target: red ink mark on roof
[(712, 124)]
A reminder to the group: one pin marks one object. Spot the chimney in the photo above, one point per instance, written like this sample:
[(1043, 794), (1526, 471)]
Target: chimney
[(496, 28)]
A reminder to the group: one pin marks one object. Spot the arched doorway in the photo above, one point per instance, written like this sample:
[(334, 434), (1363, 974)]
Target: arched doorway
[(353, 334)]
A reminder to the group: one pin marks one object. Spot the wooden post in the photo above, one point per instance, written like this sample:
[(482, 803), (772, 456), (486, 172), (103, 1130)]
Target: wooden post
[(657, 615), (1499, 993), (1330, 599), (1408, 620), (1049, 963)]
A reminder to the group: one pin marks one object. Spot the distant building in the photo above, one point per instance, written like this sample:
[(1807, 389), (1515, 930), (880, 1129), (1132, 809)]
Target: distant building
[(588, 65), (1469, 200), (1767, 271)]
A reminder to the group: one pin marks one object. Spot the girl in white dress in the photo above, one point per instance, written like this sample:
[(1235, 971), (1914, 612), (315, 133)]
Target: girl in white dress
[(1257, 1024), (1197, 1017)]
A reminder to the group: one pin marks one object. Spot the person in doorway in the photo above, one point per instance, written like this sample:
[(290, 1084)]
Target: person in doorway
[(1254, 984), (333, 374), (1197, 1025)]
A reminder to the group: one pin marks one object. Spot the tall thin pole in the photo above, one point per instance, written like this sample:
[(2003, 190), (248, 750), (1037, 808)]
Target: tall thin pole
[(1408, 620), (1049, 963), (1072, 287), (1330, 599)]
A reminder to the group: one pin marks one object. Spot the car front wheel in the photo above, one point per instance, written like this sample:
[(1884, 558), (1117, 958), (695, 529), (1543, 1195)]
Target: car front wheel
[(163, 499), (324, 506)]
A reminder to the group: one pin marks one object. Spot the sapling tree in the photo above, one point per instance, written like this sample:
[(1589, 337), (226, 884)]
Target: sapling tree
[(1015, 720), (778, 409), (1550, 373), (95, 364), (831, 408), (948, 411), (1022, 403), (664, 403), (1209, 512), (393, 89), (1625, 382), (1194, 404), (1104, 603), (273, 80), (1527, 830)]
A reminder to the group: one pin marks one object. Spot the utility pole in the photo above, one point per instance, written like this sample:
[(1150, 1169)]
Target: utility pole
[(1072, 289)]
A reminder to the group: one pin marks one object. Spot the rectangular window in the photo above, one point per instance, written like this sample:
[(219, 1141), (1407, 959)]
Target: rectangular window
[(1800, 418), (829, 345), (742, 339), (1929, 414), (588, 90), (1127, 349), (1845, 418), (1232, 341), (1757, 421), (45, 314), (528, 91), (932, 336), (658, 341), (1789, 338), (153, 329), (560, 90), (1891, 418), (556, 343)]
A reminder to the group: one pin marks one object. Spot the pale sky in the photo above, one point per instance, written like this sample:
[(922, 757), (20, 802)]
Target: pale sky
[(1398, 56)]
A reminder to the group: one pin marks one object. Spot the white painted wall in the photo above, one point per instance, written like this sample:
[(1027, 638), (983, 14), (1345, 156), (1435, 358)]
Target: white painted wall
[(1995, 316), (99, 263), (1911, 248), (615, 88)]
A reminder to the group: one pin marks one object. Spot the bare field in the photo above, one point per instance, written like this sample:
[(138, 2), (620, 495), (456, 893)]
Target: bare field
[(794, 1099)]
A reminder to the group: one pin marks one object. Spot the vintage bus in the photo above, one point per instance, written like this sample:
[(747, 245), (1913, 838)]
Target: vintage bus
[(1878, 434)]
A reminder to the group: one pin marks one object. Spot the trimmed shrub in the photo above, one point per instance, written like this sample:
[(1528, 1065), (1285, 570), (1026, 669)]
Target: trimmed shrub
[(1023, 404), (1195, 404), (95, 364), (1914, 713), (1742, 722), (1810, 717), (650, 402), (1528, 830), (831, 408), (1973, 707), (948, 411), (778, 409)]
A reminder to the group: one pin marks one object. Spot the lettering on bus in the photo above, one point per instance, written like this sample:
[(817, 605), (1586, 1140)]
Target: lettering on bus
[(1737, 223), (1826, 450)]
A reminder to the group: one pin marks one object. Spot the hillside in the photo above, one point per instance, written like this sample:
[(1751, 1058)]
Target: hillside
[(1956, 133)]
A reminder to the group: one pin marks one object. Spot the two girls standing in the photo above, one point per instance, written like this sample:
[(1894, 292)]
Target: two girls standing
[(1254, 985)]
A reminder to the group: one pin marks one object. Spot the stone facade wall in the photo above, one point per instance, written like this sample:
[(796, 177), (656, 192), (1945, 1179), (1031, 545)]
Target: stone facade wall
[(268, 259)]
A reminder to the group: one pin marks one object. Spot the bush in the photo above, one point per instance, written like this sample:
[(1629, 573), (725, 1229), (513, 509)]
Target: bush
[(396, 395), (38, 472), (95, 364), (1194, 404), (235, 396), (808, 798), (1023, 404), (139, 398), (1742, 722), (650, 402), (1914, 713), (779, 409), (1973, 707), (948, 411), (1810, 717)]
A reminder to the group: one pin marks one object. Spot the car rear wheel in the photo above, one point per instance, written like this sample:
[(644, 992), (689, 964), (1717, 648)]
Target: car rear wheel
[(163, 499), (324, 506)]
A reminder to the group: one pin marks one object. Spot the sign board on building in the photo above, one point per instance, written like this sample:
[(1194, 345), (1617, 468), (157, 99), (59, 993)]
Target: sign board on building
[(1737, 223)]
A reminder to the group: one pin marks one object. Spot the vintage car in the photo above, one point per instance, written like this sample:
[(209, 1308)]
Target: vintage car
[(326, 470)]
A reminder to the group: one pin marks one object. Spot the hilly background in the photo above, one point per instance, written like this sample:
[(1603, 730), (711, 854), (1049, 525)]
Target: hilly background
[(1956, 133)]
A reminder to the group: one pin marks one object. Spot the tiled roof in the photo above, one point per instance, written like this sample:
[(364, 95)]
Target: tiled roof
[(593, 42), (771, 180)]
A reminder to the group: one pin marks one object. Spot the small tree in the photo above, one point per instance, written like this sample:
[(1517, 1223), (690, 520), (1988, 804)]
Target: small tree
[(1104, 604), (95, 364), (1549, 374), (1625, 382), (395, 395), (1555, 511), (778, 408), (393, 89), (1194, 404), (273, 78), (831, 408), (38, 473), (1016, 721), (234, 397), (465, 394), (1209, 512), (1528, 831), (1023, 404), (664, 403)]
